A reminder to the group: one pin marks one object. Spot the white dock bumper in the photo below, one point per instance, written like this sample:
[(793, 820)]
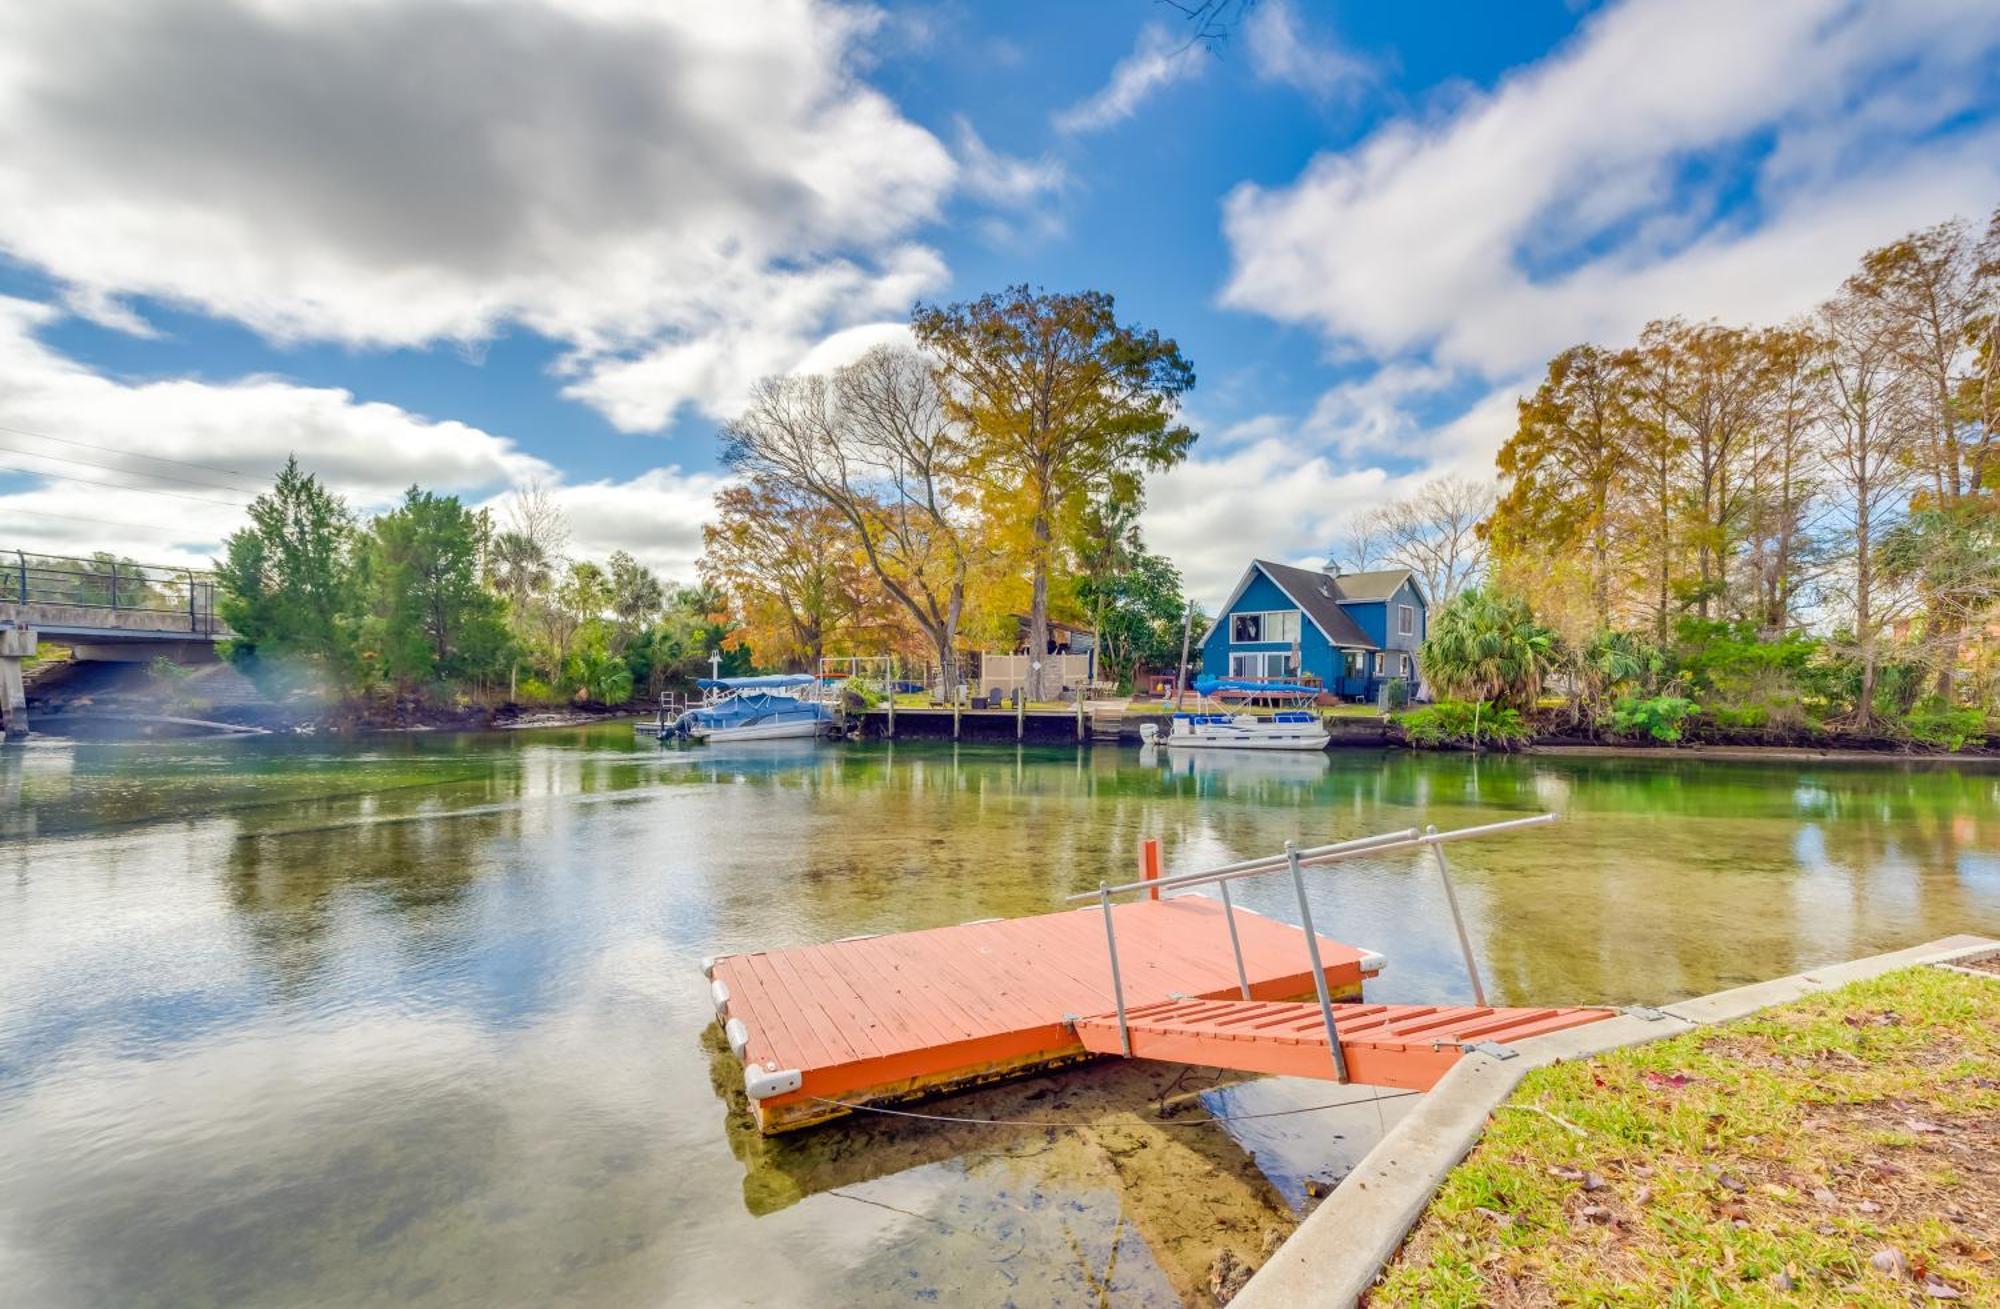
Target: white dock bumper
[(739, 1036), (1372, 963), (718, 991), (763, 1083)]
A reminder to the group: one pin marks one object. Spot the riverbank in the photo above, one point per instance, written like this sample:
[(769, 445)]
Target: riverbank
[(1826, 1136), (129, 699)]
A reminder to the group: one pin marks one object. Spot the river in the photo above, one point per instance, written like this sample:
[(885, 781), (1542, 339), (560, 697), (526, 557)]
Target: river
[(419, 1020)]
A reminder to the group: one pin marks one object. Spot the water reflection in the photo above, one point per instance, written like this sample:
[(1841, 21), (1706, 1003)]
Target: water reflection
[(420, 1019)]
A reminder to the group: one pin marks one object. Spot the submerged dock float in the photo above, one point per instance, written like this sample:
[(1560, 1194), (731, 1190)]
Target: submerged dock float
[(881, 1019)]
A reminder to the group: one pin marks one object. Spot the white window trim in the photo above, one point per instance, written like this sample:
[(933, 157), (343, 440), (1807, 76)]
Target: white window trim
[(1406, 620), (1258, 663), (1292, 616)]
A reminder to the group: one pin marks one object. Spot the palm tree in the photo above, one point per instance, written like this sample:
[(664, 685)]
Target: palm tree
[(1484, 645), (518, 568)]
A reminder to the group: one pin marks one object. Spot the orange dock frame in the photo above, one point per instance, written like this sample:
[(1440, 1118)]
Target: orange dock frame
[(824, 1029), (881, 1019)]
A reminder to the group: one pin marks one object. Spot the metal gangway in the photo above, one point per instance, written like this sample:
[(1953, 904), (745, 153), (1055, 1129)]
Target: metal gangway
[(1406, 1046)]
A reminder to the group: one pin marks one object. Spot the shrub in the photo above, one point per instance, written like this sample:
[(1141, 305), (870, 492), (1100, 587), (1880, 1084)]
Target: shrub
[(1396, 694), (1456, 722), (1488, 644), (1935, 723), (533, 690), (1662, 717)]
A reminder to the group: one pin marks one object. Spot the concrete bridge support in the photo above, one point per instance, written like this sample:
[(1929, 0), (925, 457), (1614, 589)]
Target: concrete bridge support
[(16, 644)]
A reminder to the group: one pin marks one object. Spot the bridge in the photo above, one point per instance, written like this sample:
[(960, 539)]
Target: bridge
[(101, 608)]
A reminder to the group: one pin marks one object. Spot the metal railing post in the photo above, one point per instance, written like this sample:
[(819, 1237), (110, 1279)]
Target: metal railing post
[(114, 583), (1235, 945), (1117, 983), (22, 555), (1457, 919), (1312, 950)]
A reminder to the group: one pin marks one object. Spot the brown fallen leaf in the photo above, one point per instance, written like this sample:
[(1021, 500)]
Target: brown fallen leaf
[(1595, 1213), (1735, 1184), (1566, 1173), (1920, 1125), (1937, 1290), (1826, 1197)]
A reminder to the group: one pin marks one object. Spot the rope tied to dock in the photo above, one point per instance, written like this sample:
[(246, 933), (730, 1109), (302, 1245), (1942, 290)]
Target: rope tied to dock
[(1212, 1119)]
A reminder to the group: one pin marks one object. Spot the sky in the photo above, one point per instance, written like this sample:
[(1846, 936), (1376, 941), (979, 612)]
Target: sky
[(476, 244)]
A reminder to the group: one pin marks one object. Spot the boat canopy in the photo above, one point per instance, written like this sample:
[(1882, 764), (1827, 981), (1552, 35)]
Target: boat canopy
[(1207, 685), (772, 682)]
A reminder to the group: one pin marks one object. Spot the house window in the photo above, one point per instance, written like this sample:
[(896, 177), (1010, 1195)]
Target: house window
[(1262, 663), (1265, 628), (1357, 663), (1403, 665), (1406, 619)]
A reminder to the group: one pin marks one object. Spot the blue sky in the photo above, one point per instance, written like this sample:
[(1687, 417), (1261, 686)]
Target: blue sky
[(475, 244)]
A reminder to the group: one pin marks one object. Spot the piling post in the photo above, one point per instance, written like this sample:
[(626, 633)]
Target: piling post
[(955, 697), (889, 693), (1319, 971), (1079, 713), (1021, 713), (1149, 864)]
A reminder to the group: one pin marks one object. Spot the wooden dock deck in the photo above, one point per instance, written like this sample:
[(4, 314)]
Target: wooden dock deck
[(881, 1019)]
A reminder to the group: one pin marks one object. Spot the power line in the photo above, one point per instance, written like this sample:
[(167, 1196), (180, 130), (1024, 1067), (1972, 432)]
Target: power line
[(112, 449), (101, 522), (114, 468), (113, 486)]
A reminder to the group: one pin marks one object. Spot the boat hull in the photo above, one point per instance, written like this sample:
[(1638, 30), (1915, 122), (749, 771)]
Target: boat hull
[(1248, 742), (801, 727)]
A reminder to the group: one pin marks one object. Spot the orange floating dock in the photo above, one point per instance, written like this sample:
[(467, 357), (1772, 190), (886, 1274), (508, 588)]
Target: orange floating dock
[(881, 1019)]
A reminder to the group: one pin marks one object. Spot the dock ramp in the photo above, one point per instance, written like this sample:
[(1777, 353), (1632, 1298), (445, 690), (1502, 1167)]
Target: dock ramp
[(1408, 1047)]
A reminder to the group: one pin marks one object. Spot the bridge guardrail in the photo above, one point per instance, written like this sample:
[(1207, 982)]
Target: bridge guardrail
[(107, 582)]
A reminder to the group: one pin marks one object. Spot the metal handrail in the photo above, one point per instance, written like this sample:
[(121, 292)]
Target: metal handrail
[(1261, 864), (1327, 854), (1295, 860), (77, 582)]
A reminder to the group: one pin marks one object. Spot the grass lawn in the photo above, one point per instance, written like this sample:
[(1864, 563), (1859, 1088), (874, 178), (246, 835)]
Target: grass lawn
[(1842, 1150)]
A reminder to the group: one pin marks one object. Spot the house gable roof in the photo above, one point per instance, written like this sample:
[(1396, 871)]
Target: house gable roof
[(1303, 586), (1362, 588)]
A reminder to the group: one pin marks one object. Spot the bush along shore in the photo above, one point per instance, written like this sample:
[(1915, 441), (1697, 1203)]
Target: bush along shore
[(1506, 680), (1483, 725)]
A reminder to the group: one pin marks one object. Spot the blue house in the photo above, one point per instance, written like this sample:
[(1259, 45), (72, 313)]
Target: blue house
[(1351, 631)]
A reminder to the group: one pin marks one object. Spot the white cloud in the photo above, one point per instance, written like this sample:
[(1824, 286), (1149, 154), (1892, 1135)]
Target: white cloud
[(1006, 179), (1266, 498), (1428, 236), (1282, 50), (627, 178), (209, 447), (747, 327), (1577, 200), (1159, 59)]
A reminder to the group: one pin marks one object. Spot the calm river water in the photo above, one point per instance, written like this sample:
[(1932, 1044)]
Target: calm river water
[(419, 1019)]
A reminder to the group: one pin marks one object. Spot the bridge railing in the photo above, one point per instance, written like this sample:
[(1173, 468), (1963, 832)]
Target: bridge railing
[(106, 582)]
